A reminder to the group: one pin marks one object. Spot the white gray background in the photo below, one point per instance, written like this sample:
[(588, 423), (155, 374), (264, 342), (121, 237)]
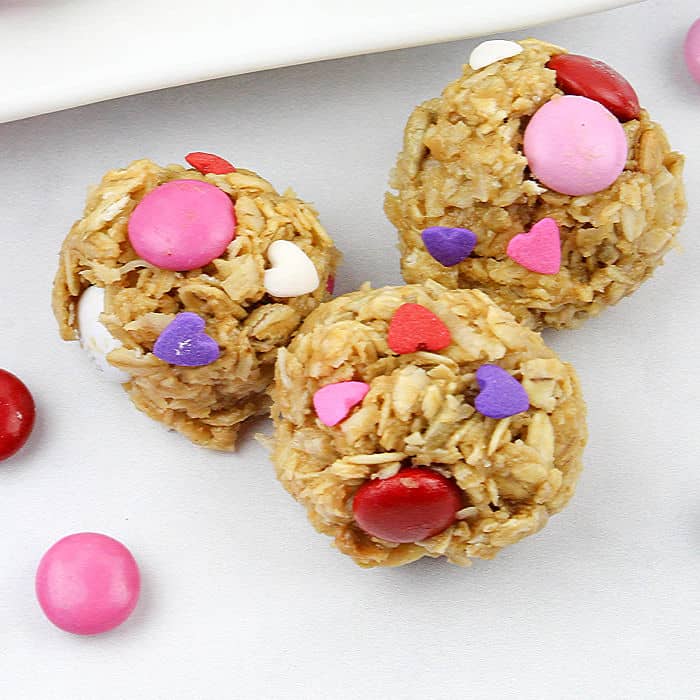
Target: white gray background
[(241, 598)]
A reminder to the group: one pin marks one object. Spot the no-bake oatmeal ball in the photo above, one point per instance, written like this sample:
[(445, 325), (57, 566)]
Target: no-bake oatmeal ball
[(536, 177), (419, 421), (184, 283)]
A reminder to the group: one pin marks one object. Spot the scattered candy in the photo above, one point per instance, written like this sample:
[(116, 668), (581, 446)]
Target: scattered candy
[(87, 583), (501, 394), (182, 225), (449, 246), (209, 164), (692, 50), (410, 506), (575, 146), (330, 284), (491, 51), (95, 339), (580, 75), (538, 250), (184, 342), (292, 273), (16, 414), (333, 402), (413, 328)]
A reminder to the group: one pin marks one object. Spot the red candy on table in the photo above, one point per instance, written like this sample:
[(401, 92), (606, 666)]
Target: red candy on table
[(413, 328), (412, 505), (209, 164), (587, 77), (16, 414)]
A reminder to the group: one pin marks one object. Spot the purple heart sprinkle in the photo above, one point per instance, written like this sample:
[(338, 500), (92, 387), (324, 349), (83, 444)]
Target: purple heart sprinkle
[(501, 394), (449, 246), (184, 342)]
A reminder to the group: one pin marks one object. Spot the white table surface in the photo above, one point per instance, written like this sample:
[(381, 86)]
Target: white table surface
[(241, 598)]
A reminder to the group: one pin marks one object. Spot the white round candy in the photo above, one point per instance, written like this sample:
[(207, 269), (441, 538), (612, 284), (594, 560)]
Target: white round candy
[(95, 339)]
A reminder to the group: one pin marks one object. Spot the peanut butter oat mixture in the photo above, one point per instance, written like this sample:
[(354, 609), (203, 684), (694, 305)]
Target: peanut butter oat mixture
[(208, 404), (462, 165), (513, 473)]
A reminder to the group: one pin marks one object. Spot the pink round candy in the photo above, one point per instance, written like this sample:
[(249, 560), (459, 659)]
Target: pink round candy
[(87, 583), (692, 50), (575, 146), (182, 225)]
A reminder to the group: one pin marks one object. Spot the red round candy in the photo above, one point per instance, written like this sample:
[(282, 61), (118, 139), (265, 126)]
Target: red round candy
[(208, 163), (410, 506), (587, 77), (16, 414)]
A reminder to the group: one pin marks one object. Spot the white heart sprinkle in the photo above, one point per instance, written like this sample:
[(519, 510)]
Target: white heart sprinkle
[(491, 51), (292, 273), (95, 339)]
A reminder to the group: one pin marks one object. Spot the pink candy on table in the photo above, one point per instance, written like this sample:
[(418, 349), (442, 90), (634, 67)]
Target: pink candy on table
[(575, 146), (87, 583), (692, 50), (182, 225)]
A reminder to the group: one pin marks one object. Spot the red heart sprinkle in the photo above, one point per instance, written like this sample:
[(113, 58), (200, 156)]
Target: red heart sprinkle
[(587, 77), (209, 164), (410, 506), (414, 328)]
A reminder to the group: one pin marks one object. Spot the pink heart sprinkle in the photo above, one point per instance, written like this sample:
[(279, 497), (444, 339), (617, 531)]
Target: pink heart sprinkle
[(333, 402), (538, 250)]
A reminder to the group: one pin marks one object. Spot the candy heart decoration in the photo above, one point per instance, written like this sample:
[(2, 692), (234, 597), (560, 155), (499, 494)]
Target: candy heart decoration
[(501, 394), (491, 51), (333, 402), (292, 273), (449, 246), (208, 163), (413, 328), (184, 342), (539, 250)]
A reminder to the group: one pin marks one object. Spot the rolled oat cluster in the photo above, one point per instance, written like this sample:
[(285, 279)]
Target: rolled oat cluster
[(383, 398), (244, 323), (463, 165)]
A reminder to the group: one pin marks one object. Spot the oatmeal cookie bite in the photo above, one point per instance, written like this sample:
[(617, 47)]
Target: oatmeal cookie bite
[(537, 178), (183, 284), (419, 421)]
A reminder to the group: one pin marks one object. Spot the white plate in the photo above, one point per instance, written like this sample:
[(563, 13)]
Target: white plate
[(61, 53)]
